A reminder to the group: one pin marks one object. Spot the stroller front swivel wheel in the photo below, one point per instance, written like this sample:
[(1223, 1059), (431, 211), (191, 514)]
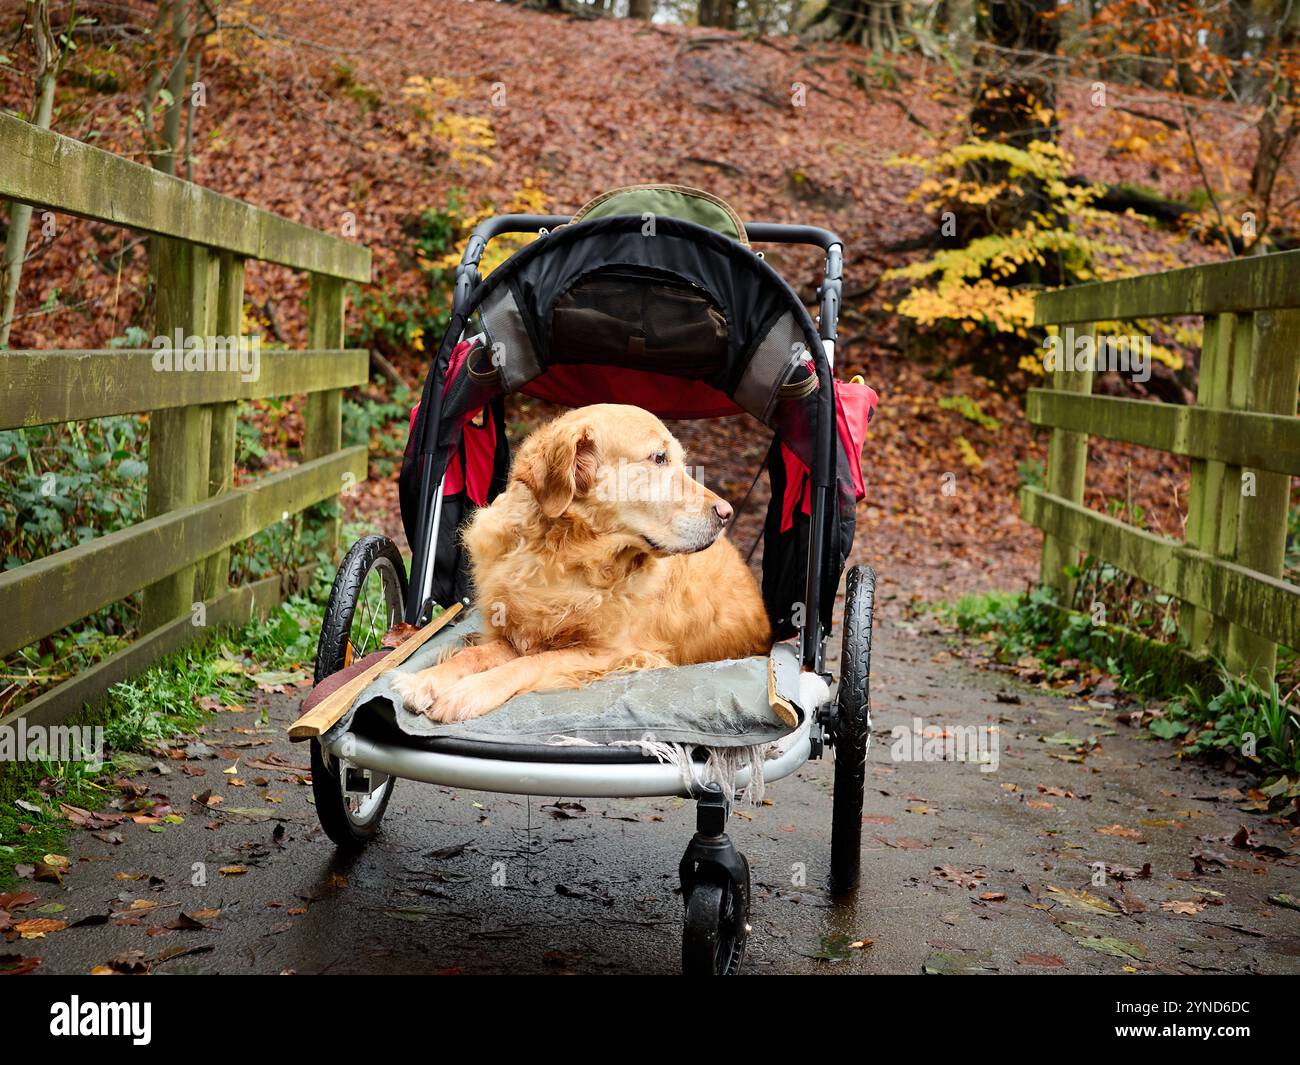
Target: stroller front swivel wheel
[(367, 599), (716, 926)]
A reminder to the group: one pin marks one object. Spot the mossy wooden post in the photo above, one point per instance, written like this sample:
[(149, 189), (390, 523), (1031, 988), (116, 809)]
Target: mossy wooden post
[(229, 318), (1212, 497), (185, 299), (1264, 498), (1067, 463), (323, 427)]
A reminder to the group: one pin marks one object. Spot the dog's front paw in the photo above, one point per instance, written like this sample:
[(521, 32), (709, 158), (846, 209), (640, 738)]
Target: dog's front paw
[(465, 700), (416, 691)]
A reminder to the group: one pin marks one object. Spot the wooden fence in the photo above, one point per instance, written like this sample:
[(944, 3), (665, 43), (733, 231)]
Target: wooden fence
[(179, 555), (1242, 437)]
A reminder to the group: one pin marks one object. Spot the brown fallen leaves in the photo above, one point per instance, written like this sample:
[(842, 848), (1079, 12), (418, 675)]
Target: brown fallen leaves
[(965, 878), (1118, 830)]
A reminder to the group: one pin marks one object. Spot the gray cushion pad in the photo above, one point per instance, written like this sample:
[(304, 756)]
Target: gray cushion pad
[(715, 704)]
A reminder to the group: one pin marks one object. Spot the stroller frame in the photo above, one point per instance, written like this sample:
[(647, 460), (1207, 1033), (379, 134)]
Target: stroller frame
[(361, 765)]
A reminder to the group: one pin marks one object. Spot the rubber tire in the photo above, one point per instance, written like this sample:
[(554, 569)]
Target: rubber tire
[(336, 626), (346, 832), (852, 730), (704, 940)]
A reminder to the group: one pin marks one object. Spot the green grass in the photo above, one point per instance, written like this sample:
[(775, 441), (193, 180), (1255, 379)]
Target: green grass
[(149, 712), (1222, 714)]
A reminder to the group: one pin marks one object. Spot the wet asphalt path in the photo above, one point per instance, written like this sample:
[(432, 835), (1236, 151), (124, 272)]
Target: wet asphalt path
[(959, 866)]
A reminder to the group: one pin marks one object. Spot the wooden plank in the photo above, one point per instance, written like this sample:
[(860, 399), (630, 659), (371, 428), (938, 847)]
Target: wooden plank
[(43, 596), (1262, 604), (185, 281), (1254, 283), (1256, 441), (1264, 498), (323, 419), (1067, 465), (45, 387), (221, 441), (48, 170), (234, 607), (323, 716)]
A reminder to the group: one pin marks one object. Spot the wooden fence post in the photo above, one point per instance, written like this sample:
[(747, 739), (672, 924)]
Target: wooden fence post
[(185, 299), (1212, 504), (323, 426), (1067, 464), (1264, 498), (229, 318)]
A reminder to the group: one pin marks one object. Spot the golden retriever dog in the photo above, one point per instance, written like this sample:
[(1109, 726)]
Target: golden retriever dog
[(602, 554)]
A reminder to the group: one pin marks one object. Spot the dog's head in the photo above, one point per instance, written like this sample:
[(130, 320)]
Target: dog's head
[(618, 471)]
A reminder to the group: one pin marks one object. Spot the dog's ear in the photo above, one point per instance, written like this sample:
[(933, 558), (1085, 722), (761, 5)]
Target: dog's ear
[(563, 466)]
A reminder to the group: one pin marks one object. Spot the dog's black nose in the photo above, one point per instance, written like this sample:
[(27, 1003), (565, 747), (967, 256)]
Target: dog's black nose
[(723, 510)]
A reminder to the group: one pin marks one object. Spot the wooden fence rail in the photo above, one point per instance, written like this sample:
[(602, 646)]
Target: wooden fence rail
[(1242, 436), (180, 554)]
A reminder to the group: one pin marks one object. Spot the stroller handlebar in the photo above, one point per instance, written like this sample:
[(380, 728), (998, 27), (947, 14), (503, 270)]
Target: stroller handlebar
[(758, 232)]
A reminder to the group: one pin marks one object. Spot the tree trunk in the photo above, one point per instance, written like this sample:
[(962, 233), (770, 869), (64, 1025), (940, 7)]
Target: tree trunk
[(1278, 126), (874, 24), (1014, 103), (49, 58), (182, 29), (641, 9), (717, 13)]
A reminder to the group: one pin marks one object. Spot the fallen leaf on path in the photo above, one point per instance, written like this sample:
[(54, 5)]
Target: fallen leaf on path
[(950, 964), (1127, 901), (38, 927), (16, 900), (1050, 960), (967, 878), (1118, 830), (1084, 901), (1116, 948), (904, 843)]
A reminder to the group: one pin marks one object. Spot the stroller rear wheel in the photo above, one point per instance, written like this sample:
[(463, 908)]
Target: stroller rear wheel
[(367, 599), (852, 730)]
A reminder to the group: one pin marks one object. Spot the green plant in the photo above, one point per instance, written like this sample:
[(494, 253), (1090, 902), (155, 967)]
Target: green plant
[(380, 423), (62, 484), (970, 409), (153, 711), (1032, 473), (1241, 720), (986, 279), (397, 322)]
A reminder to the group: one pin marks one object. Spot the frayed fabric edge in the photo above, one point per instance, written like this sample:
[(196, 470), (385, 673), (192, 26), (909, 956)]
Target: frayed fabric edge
[(720, 767)]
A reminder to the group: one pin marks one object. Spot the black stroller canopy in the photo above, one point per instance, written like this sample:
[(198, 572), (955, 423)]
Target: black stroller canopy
[(658, 312), (667, 298)]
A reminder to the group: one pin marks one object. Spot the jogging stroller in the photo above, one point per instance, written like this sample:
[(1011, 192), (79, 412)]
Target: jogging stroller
[(651, 296)]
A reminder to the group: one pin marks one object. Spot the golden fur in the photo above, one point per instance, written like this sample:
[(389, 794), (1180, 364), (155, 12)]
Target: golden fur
[(602, 553)]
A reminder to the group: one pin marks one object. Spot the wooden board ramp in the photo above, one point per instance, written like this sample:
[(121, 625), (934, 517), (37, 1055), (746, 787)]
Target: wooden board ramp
[(324, 715)]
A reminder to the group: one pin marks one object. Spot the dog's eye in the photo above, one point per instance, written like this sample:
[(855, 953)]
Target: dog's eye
[(660, 458)]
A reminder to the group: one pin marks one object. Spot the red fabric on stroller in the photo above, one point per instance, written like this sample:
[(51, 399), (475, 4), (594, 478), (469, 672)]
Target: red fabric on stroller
[(474, 477), (855, 406), (663, 396)]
